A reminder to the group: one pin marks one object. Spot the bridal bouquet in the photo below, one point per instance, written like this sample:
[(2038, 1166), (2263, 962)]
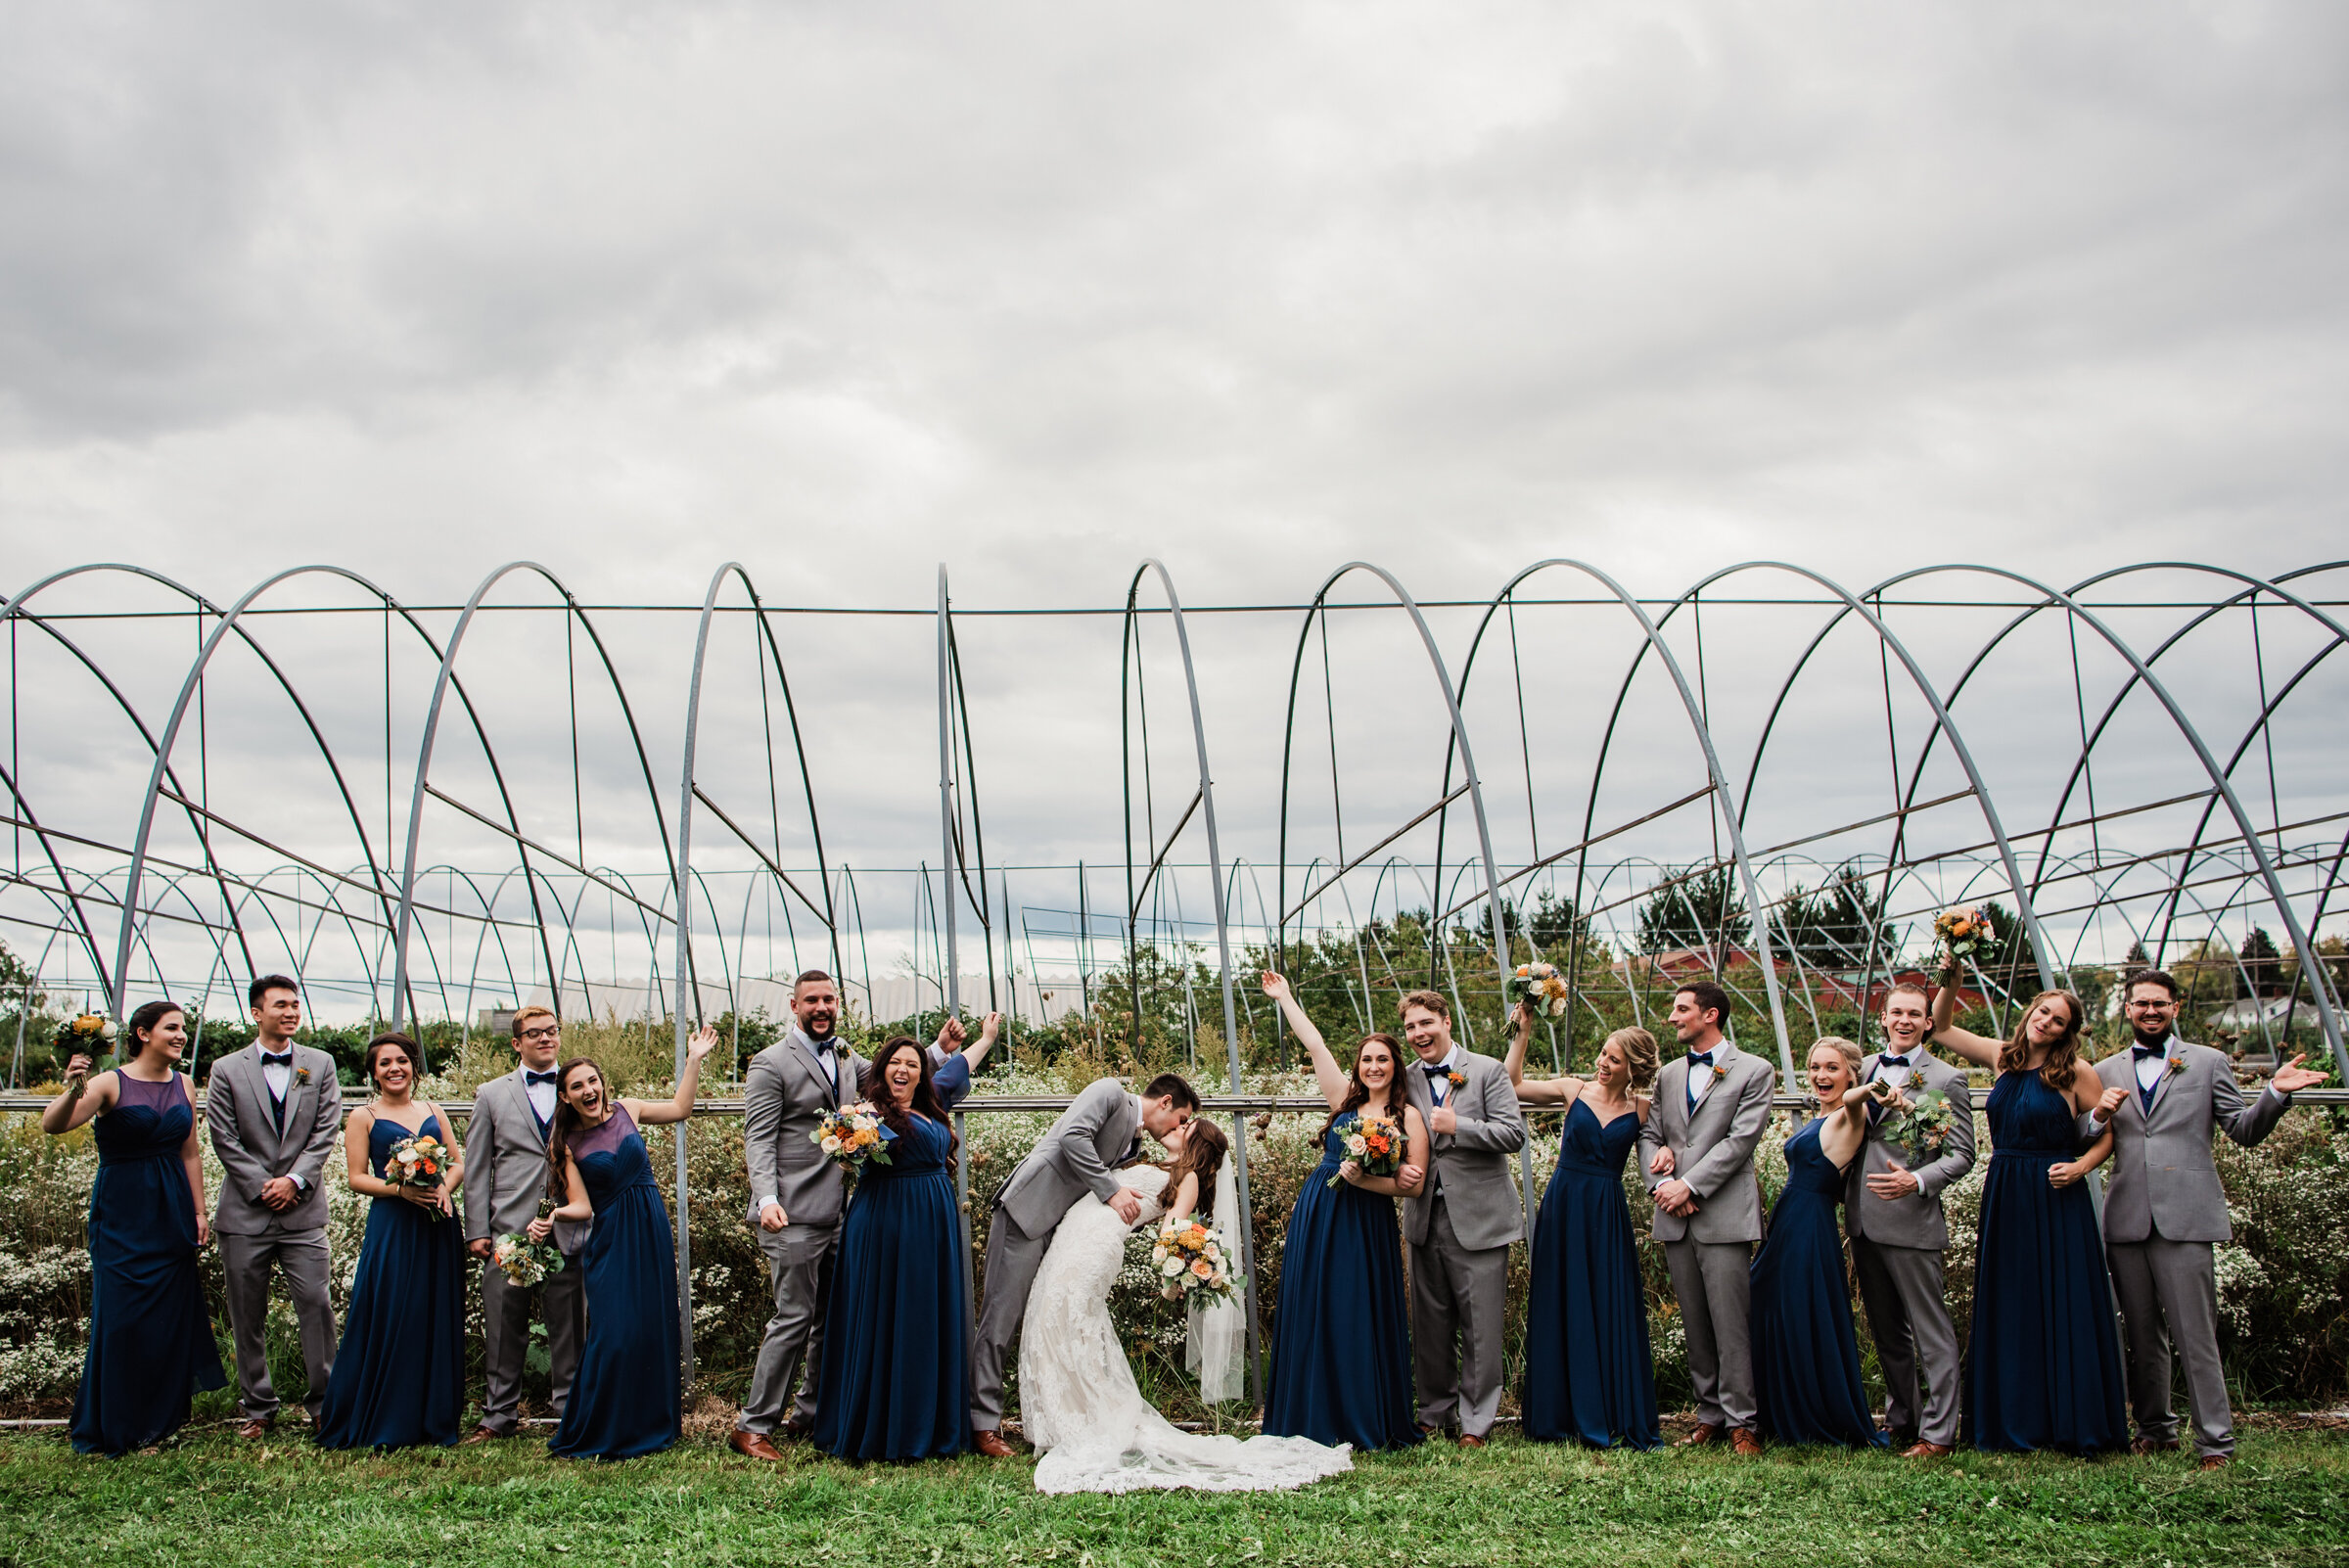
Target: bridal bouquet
[(1374, 1143), (1923, 1126), (419, 1161), (1963, 931), (1190, 1260), (852, 1135), (1539, 984), (527, 1262)]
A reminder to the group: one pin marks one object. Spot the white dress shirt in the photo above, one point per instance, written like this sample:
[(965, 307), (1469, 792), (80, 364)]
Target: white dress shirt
[(542, 1098), (279, 1077), (1700, 1077), (1439, 1089)]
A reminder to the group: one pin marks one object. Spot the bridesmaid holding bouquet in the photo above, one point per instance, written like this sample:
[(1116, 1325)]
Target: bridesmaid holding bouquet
[(400, 1376), (1342, 1341), (151, 1340), (895, 1382), (1589, 1375), (2042, 1362), (626, 1401)]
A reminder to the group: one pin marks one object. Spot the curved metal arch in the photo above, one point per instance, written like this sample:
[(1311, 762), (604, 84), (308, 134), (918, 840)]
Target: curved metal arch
[(1215, 864), (1731, 821), (1318, 608), (441, 681), (2310, 964)]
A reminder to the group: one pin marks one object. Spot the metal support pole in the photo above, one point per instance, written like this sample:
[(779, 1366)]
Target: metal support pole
[(950, 869)]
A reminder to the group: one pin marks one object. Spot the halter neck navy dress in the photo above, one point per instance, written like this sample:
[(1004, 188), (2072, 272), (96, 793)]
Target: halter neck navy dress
[(625, 1400), (151, 1339), (1807, 1386), (400, 1376), (1342, 1338), (2042, 1362), (1589, 1376), (896, 1383)]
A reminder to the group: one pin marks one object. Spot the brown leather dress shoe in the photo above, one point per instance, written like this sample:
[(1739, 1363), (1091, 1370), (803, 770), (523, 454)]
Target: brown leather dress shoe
[(2147, 1444), (255, 1427), (755, 1446), (1926, 1451), (479, 1434), (2214, 1461), (1705, 1433), (1743, 1441), (1469, 1440), (991, 1445)]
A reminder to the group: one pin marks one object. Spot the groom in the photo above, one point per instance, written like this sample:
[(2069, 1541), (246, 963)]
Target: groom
[(1101, 1130)]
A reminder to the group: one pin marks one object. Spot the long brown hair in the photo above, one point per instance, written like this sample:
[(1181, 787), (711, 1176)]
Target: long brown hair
[(1357, 1092), (900, 1119), (1204, 1147), (566, 1123), (2063, 1051)]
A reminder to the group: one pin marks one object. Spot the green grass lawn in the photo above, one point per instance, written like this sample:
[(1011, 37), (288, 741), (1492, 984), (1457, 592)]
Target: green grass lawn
[(210, 1499)]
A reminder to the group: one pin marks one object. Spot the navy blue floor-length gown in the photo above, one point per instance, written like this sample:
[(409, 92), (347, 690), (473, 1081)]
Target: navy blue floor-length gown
[(2042, 1362), (1589, 1376), (625, 1401), (399, 1374), (151, 1340), (896, 1384), (1806, 1382), (1342, 1339)]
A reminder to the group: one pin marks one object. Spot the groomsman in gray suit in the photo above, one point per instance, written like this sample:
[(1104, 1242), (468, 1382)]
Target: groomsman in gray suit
[(2164, 1210), (1459, 1224), (1891, 1210), (797, 1196), (1711, 1108), (273, 1112), (505, 1181), (1100, 1131)]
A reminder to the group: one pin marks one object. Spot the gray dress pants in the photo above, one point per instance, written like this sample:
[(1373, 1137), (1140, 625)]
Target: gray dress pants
[(1460, 1297), (506, 1338), (1012, 1257), (1908, 1318), (1712, 1280), (2169, 1295), (302, 1255), (799, 1263)]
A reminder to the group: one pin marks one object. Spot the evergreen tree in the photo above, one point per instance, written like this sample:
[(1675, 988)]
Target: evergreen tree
[(1699, 911)]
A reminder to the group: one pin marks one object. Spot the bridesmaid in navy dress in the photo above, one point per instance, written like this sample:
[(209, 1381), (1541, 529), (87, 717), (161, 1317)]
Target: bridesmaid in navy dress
[(151, 1340), (1589, 1375), (1342, 1341), (625, 1400), (400, 1376), (1807, 1384), (2042, 1360), (894, 1382)]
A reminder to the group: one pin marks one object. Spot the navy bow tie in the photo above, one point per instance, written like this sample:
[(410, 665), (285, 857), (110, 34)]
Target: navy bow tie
[(533, 1078), (1437, 1070), (1700, 1058), (820, 1046), (2143, 1051), (287, 1060), (1895, 1061)]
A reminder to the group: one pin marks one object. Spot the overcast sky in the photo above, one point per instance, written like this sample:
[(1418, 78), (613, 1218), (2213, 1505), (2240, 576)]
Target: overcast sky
[(845, 291)]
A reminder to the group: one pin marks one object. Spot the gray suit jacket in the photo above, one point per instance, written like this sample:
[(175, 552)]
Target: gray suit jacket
[(2162, 1178), (1079, 1153), (505, 1165), (1713, 1151), (253, 1152), (1916, 1220), (1472, 1164), (784, 1092)]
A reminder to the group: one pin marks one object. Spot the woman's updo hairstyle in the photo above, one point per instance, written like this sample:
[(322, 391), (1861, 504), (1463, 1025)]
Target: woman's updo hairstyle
[(392, 1039), (1639, 1054), (143, 1024)]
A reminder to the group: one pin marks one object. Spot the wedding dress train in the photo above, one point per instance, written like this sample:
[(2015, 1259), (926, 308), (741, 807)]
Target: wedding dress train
[(1080, 1405)]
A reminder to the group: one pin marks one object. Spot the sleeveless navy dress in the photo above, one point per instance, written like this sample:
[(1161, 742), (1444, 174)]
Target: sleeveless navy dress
[(2042, 1362), (400, 1376), (895, 1382), (1807, 1385), (151, 1339), (625, 1399), (1589, 1376), (1341, 1339)]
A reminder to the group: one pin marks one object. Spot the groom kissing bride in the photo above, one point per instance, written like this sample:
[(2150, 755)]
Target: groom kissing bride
[(1054, 1251)]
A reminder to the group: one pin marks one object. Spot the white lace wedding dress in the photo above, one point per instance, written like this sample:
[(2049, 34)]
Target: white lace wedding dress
[(1078, 1402)]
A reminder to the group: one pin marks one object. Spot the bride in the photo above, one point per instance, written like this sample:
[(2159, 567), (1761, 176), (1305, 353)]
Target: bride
[(1083, 1409)]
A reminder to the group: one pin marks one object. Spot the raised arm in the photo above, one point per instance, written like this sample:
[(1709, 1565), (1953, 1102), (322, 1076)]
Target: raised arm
[(953, 1079), (1540, 1090), (678, 1106), (80, 1100), (951, 1035), (2248, 1123), (1960, 1043), (1329, 1076)]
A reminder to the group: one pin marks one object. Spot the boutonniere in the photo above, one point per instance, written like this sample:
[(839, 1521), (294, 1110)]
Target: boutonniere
[(1455, 1079), (2175, 1064), (1719, 1071), (301, 1075)]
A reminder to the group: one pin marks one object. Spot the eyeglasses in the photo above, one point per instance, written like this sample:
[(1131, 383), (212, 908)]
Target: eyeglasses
[(544, 1032)]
